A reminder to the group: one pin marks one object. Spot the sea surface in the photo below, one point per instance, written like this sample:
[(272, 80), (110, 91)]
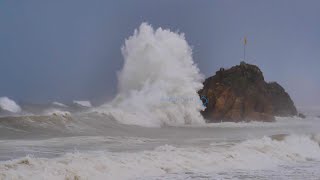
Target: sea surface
[(92, 145)]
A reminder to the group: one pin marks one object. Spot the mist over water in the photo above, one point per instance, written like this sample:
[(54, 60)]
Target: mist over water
[(158, 64)]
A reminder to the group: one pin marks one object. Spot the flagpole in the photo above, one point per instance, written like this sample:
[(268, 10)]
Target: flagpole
[(244, 52), (244, 48)]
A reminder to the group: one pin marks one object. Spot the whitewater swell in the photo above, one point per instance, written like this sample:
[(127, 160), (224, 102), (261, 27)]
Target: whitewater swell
[(257, 154), (159, 81)]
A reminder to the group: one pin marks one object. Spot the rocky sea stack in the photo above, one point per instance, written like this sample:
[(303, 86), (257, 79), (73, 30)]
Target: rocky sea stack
[(241, 94)]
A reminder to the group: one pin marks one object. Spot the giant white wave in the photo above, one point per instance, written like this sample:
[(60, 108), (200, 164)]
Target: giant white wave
[(159, 81), (257, 154), (9, 105)]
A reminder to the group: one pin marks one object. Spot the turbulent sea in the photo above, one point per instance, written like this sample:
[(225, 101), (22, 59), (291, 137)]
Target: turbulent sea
[(152, 129), (87, 146)]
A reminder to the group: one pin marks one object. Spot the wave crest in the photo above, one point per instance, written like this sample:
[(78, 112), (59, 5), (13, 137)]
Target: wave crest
[(9, 105)]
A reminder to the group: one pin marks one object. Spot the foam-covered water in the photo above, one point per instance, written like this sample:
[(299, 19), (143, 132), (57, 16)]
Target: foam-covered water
[(263, 155), (95, 146)]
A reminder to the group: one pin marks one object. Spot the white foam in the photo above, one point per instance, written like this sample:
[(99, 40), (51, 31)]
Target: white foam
[(59, 104), (83, 103), (9, 105), (255, 154), (158, 67)]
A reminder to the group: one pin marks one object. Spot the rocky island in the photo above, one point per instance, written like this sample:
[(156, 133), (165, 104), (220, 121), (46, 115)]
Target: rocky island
[(241, 94)]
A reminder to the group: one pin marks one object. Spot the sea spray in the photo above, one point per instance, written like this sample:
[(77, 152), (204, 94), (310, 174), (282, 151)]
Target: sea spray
[(9, 105), (158, 64)]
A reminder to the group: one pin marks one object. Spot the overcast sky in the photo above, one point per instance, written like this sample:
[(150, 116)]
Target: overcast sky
[(65, 50)]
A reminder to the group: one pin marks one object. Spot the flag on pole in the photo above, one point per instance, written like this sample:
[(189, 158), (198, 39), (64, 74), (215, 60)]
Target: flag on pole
[(245, 40)]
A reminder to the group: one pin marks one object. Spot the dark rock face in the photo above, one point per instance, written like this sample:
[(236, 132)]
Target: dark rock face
[(301, 115), (241, 94), (281, 101)]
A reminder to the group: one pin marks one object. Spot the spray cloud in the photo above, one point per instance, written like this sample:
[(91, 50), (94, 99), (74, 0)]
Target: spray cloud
[(158, 64)]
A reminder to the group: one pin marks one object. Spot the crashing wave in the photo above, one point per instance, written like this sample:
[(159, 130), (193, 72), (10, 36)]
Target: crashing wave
[(159, 81), (9, 105)]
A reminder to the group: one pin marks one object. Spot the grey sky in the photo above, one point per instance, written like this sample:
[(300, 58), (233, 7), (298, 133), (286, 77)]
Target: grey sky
[(65, 50)]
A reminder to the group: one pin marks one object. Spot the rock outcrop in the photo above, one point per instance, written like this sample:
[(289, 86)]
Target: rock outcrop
[(241, 94)]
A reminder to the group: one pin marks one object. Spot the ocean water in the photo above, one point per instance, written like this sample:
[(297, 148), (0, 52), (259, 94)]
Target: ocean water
[(152, 129), (83, 146)]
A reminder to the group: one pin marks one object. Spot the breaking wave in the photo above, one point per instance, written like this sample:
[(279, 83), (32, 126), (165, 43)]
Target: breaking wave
[(9, 105), (83, 103), (257, 154), (158, 67)]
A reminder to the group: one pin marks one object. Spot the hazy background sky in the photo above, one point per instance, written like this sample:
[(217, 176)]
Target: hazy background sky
[(65, 50)]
